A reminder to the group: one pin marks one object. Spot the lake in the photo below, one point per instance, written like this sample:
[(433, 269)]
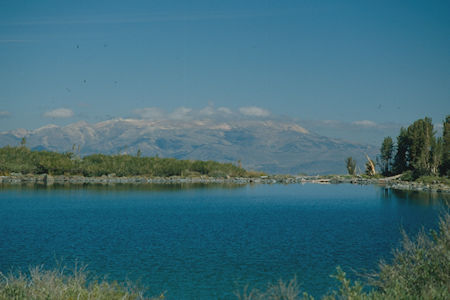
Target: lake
[(207, 241)]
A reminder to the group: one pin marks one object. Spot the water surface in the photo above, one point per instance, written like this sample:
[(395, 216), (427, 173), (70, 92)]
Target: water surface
[(204, 242)]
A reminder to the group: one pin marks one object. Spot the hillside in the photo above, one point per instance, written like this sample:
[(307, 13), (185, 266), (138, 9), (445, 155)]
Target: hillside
[(271, 145)]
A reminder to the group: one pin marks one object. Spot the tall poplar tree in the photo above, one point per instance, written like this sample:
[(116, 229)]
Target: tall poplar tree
[(401, 159), (386, 156), (421, 138), (445, 166), (351, 165), (436, 156)]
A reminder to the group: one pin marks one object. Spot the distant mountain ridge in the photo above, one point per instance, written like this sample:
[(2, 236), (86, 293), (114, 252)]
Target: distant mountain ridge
[(272, 146)]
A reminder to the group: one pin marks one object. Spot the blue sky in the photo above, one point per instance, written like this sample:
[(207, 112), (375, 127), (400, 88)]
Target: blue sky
[(360, 62)]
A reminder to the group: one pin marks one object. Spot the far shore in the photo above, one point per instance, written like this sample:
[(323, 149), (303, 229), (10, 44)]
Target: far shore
[(393, 183)]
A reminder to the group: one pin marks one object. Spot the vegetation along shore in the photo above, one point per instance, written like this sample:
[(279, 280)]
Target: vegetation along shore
[(429, 184)]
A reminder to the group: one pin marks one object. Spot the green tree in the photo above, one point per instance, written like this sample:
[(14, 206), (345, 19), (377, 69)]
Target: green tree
[(419, 151), (445, 165), (351, 165), (421, 138), (436, 156), (23, 142), (401, 159), (386, 156)]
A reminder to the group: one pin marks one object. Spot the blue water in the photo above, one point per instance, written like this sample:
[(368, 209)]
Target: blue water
[(197, 242)]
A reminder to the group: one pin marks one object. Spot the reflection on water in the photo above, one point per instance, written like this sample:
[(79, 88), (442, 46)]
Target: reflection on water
[(405, 196), (414, 197), (120, 187)]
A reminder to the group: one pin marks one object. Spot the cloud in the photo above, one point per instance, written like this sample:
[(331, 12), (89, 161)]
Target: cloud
[(4, 114), (211, 111), (59, 113), (224, 110), (365, 123), (152, 113), (184, 113), (207, 111), (254, 111), (180, 113)]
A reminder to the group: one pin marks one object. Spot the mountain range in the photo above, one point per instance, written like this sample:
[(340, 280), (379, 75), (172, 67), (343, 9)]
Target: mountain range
[(273, 146)]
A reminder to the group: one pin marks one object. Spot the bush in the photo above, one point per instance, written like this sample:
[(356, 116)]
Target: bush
[(23, 160), (407, 176), (58, 285), (433, 180), (420, 270), (277, 291)]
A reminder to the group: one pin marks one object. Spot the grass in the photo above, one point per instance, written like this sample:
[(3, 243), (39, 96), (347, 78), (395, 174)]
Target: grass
[(420, 269), (277, 291), (59, 284), (433, 180)]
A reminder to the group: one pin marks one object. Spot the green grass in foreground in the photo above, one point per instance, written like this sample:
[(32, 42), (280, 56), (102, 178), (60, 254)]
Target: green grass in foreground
[(420, 270)]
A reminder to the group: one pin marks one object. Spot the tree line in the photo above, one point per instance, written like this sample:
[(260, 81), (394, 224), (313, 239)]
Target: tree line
[(416, 152), (23, 160)]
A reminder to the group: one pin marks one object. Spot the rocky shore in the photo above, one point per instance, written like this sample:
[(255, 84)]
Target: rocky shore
[(45, 179)]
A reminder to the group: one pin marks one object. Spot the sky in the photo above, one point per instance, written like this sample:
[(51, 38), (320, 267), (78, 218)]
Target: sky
[(364, 63)]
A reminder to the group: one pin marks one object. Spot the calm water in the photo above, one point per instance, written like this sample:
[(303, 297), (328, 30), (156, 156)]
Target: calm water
[(206, 242)]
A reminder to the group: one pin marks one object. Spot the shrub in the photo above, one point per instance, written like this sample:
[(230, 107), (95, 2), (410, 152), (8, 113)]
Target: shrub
[(407, 176), (23, 160), (276, 291), (40, 284), (433, 180), (420, 270)]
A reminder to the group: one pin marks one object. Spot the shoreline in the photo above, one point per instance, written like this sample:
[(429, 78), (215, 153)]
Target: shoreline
[(48, 180)]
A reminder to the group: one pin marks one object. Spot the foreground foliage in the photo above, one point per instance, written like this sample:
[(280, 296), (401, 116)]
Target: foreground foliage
[(42, 284), (420, 270), (26, 161)]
